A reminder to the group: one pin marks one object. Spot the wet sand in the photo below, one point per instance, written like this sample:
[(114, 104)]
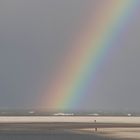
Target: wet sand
[(54, 136), (116, 133), (71, 126)]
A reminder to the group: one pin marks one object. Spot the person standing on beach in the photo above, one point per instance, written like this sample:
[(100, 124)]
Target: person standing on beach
[(95, 126)]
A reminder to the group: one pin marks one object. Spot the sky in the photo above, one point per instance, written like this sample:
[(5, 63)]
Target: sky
[(35, 35)]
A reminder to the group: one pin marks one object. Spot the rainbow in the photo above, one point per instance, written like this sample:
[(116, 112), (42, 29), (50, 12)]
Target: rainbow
[(72, 82)]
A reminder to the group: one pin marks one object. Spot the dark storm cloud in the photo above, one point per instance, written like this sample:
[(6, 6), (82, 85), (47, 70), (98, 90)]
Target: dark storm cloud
[(34, 36)]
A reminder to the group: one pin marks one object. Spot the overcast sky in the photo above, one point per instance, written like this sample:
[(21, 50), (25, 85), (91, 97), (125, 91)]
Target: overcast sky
[(34, 35)]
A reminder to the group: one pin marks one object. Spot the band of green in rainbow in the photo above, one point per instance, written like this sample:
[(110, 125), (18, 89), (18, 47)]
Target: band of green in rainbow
[(79, 68)]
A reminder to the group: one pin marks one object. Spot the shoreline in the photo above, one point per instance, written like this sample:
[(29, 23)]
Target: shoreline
[(124, 128), (115, 133)]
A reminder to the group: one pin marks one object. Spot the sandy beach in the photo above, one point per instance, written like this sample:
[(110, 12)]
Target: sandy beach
[(72, 119), (109, 127)]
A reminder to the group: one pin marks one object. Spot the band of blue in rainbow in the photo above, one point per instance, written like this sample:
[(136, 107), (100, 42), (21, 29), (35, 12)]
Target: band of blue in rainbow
[(73, 80)]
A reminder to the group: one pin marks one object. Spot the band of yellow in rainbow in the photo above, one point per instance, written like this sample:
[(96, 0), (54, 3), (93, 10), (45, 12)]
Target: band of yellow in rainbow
[(79, 68)]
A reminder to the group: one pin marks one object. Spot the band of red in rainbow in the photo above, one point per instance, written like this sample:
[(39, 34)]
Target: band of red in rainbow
[(72, 81)]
